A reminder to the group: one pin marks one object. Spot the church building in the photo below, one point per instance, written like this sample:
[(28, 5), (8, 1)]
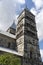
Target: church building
[(23, 38)]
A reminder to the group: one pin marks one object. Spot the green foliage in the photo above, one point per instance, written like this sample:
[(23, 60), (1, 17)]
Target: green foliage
[(9, 59)]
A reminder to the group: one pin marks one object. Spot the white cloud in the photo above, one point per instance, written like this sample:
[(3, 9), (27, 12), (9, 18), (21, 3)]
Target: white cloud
[(21, 1), (41, 51), (38, 11), (39, 21), (34, 11), (8, 10), (38, 3), (16, 19)]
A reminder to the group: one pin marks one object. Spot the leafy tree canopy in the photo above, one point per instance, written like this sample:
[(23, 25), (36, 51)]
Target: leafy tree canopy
[(9, 59)]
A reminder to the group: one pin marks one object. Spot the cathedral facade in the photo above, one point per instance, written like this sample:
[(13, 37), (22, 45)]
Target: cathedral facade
[(23, 39)]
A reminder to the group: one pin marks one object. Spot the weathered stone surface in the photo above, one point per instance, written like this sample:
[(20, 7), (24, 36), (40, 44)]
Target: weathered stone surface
[(27, 43), (7, 42), (24, 39)]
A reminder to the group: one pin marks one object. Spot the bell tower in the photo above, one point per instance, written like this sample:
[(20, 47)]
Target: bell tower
[(27, 39)]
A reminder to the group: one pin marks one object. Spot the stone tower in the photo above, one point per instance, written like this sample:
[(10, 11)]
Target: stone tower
[(27, 39)]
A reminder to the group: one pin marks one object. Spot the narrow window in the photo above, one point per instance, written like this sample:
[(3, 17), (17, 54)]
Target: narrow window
[(31, 54), (8, 45)]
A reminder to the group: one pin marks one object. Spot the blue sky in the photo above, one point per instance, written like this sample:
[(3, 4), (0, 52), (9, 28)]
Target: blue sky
[(41, 44), (29, 4), (10, 9)]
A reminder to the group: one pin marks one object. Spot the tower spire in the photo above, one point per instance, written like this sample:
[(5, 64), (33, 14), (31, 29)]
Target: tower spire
[(25, 6)]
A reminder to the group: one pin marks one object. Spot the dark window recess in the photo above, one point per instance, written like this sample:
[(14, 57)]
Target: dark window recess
[(20, 20), (26, 60), (31, 54), (27, 17), (20, 27), (33, 41), (1, 45), (29, 33), (14, 46), (39, 54), (25, 46), (12, 31), (25, 50), (20, 34), (30, 26), (30, 42), (8, 45)]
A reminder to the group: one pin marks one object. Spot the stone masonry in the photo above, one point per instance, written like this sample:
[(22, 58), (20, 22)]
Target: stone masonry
[(23, 39), (27, 39)]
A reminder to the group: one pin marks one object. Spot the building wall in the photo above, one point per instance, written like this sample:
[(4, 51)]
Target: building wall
[(20, 36), (20, 45), (7, 42)]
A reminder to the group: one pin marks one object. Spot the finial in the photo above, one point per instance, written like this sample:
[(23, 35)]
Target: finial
[(26, 6)]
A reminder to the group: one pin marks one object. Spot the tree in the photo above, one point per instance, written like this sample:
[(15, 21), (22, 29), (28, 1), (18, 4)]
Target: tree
[(9, 59)]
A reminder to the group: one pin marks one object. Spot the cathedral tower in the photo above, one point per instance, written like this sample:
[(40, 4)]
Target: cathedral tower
[(27, 40)]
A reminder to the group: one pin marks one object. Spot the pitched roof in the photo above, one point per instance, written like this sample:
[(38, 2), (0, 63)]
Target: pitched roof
[(10, 51), (13, 25), (7, 34)]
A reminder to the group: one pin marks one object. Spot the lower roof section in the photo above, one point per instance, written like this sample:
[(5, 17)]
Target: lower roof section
[(7, 34), (10, 51)]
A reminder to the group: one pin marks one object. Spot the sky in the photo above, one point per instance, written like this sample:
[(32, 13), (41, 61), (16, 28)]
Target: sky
[(10, 9)]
